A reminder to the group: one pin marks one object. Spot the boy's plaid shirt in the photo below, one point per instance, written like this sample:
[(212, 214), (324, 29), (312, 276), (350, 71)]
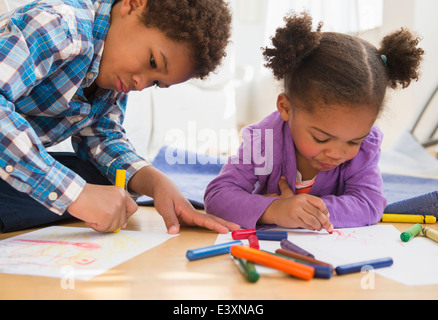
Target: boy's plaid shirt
[(50, 51)]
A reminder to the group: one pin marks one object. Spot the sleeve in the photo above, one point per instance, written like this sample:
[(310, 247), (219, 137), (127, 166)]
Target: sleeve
[(362, 202), (32, 48), (106, 145), (230, 196)]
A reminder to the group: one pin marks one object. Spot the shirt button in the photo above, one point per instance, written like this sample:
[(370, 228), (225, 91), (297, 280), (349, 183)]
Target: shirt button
[(9, 169), (53, 196), (90, 75)]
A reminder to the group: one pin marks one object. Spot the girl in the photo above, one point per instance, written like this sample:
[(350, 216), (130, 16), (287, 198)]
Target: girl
[(66, 67), (322, 140)]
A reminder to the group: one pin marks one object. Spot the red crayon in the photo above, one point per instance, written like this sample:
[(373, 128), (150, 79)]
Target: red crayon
[(242, 234), (254, 242)]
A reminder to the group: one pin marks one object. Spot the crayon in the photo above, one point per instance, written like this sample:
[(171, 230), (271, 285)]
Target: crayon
[(321, 272), (303, 258), (211, 251), (247, 269), (289, 246), (357, 267), (120, 182), (408, 218), (242, 234), (293, 268), (254, 242), (412, 232), (271, 235), (431, 234)]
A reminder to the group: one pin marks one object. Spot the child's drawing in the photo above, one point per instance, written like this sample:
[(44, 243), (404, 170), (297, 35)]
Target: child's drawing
[(47, 251)]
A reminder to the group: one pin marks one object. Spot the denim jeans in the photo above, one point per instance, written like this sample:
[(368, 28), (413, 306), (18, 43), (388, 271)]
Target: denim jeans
[(19, 211)]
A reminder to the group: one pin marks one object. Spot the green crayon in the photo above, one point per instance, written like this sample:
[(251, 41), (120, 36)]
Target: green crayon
[(411, 233), (248, 269)]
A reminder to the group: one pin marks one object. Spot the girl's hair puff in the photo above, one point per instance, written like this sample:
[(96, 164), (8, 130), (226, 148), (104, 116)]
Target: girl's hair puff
[(403, 57), (205, 25), (322, 68)]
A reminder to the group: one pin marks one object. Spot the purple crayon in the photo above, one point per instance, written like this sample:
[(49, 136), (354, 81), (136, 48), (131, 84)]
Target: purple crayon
[(289, 246)]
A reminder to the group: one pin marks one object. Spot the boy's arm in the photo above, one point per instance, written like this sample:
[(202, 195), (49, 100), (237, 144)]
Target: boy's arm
[(28, 55), (106, 144), (175, 209)]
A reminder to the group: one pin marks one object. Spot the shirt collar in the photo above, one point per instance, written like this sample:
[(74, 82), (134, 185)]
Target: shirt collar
[(102, 12)]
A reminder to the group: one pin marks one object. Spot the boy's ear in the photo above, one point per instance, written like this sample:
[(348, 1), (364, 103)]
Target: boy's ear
[(284, 107), (130, 6)]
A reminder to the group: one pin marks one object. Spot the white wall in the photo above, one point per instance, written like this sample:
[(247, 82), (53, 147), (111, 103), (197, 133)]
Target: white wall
[(403, 105)]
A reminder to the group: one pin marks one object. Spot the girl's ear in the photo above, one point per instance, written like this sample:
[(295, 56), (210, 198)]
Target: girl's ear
[(284, 107)]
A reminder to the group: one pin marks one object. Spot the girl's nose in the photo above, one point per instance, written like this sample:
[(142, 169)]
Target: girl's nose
[(336, 153)]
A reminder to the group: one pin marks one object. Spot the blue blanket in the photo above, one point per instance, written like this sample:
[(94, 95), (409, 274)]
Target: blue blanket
[(406, 195)]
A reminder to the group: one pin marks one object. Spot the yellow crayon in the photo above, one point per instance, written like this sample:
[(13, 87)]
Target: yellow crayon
[(431, 234), (408, 218), (120, 182)]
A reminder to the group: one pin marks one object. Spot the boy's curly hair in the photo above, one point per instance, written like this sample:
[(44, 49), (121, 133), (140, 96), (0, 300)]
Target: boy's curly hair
[(205, 25)]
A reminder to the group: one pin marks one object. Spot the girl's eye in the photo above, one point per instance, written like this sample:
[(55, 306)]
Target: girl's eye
[(320, 141), (153, 63)]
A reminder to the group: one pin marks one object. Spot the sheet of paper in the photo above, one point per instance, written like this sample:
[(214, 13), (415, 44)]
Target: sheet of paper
[(415, 262), (54, 251)]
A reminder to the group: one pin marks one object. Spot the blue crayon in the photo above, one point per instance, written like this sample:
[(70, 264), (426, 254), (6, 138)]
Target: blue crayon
[(357, 267), (271, 235), (322, 272), (212, 251)]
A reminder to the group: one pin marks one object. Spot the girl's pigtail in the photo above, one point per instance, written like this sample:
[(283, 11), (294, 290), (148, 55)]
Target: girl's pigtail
[(402, 57), (292, 44)]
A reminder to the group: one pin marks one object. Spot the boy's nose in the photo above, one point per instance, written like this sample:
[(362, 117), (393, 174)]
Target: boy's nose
[(140, 84)]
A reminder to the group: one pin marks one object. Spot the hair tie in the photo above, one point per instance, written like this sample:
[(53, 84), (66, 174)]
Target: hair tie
[(385, 59)]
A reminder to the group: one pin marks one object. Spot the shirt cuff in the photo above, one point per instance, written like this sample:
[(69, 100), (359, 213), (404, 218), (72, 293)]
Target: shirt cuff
[(58, 188)]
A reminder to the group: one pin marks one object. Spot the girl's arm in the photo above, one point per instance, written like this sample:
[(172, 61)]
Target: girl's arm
[(362, 201)]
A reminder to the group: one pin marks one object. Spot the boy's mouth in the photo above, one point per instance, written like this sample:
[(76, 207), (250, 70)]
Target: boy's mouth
[(120, 86)]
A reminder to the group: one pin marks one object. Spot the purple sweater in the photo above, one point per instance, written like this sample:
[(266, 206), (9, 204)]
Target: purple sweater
[(353, 192)]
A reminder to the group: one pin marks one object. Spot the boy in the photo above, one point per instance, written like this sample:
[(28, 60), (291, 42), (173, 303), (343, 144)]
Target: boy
[(66, 67)]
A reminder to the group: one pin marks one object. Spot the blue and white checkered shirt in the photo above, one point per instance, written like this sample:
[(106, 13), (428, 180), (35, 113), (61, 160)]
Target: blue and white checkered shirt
[(50, 51)]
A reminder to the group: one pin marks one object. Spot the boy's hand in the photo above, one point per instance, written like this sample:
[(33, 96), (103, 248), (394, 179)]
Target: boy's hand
[(171, 204), (177, 211), (301, 211), (103, 208)]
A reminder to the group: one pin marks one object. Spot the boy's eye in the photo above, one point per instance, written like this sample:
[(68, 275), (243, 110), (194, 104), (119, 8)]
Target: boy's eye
[(153, 63)]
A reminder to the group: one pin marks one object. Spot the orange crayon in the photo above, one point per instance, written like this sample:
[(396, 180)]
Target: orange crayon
[(275, 262)]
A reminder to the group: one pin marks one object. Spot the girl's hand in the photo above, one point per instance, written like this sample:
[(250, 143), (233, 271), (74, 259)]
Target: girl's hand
[(103, 208), (301, 211)]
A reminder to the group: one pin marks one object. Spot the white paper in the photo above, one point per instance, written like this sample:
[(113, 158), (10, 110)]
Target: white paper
[(84, 253), (415, 262)]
